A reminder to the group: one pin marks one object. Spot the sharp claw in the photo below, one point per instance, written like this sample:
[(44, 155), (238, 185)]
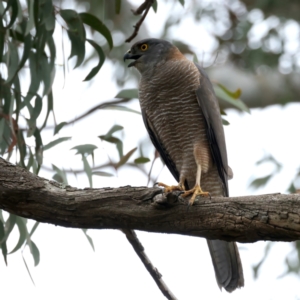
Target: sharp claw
[(155, 184)]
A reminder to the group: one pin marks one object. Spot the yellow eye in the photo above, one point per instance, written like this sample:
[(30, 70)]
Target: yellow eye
[(144, 47)]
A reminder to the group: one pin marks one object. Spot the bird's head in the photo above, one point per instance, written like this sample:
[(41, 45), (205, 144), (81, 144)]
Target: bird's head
[(148, 53)]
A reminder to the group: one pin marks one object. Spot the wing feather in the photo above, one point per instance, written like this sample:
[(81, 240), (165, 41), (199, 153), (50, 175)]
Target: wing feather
[(215, 133)]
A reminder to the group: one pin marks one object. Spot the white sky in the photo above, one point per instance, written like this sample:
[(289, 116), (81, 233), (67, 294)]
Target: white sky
[(69, 269)]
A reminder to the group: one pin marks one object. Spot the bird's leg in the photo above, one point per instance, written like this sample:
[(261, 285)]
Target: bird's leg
[(171, 188), (196, 190)]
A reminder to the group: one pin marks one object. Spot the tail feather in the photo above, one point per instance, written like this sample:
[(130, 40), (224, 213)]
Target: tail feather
[(227, 264)]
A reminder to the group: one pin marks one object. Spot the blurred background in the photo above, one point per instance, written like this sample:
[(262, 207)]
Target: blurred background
[(69, 111)]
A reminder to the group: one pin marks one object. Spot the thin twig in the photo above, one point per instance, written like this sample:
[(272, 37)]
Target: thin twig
[(139, 250), (99, 106), (144, 7), (113, 165)]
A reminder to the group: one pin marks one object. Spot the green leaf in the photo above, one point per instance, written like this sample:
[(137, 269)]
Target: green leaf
[(1, 214), (125, 158), (225, 122), (270, 159), (2, 126), (13, 4), (38, 105), (22, 231), (6, 95), (258, 266), (38, 146), (30, 23), (97, 25), (59, 127), (260, 182), (52, 49), (84, 149), (30, 161), (49, 108), (76, 33), (111, 139), (35, 252), (101, 54), (235, 95), (10, 224), (31, 127), (101, 173), (121, 108), (17, 94), (47, 73), (2, 42), (128, 94), (117, 6), (220, 93), (114, 129), (13, 61), (154, 6), (34, 83), (28, 269), (181, 2), (6, 138), (41, 38), (195, 58), (89, 239), (36, 13), (292, 189), (3, 242), (60, 175), (88, 170), (141, 160), (33, 229), (22, 148), (56, 142), (25, 56), (48, 15)]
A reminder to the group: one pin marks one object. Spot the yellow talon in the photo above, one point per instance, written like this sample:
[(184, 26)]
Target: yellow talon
[(171, 188), (196, 191)]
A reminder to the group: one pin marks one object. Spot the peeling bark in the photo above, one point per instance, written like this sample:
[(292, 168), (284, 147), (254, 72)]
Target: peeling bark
[(272, 217)]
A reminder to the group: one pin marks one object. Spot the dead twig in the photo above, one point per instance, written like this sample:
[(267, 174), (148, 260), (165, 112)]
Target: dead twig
[(144, 7), (99, 106), (140, 251)]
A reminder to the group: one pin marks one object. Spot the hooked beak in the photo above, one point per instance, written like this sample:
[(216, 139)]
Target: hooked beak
[(129, 55)]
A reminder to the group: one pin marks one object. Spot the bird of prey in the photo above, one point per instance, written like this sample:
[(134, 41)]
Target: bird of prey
[(182, 116)]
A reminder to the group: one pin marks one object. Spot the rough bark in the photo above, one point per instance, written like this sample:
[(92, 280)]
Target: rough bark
[(273, 217)]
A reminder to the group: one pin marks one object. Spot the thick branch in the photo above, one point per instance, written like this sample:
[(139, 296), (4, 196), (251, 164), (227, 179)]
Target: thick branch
[(244, 219)]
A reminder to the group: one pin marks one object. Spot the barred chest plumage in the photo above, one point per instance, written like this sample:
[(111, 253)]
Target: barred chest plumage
[(169, 100)]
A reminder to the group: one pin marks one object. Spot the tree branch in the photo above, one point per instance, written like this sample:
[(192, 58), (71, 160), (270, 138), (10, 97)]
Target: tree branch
[(144, 7), (140, 251), (244, 219)]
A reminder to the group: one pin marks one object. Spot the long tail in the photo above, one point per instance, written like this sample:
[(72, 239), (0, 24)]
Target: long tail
[(227, 264)]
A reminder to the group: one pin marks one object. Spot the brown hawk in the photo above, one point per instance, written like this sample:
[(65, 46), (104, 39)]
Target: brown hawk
[(182, 116)]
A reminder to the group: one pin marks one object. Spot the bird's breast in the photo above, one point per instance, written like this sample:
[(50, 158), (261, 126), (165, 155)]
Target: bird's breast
[(169, 99)]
